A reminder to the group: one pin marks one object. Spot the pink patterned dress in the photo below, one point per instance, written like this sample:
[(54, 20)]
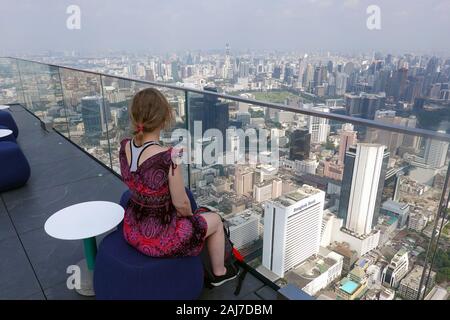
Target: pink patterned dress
[(151, 224)]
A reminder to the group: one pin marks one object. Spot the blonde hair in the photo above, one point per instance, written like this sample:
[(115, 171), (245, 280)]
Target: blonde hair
[(149, 111)]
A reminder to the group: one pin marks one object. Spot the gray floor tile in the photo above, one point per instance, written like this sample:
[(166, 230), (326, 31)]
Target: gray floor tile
[(251, 296), (17, 280), (50, 257), (267, 293), (31, 209), (6, 227), (36, 296), (61, 292)]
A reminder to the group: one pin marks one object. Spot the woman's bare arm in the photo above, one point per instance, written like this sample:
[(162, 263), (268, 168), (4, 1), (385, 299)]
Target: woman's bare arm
[(179, 197)]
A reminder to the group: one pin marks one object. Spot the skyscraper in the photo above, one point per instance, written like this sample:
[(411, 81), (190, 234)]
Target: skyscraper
[(299, 145), (292, 227), (347, 138), (243, 180), (95, 116), (210, 111), (362, 186), (318, 127), (436, 152)]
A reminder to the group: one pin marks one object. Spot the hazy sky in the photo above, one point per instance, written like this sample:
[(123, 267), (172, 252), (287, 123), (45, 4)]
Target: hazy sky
[(32, 26)]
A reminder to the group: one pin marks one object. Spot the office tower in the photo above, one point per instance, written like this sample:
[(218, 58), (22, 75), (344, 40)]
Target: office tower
[(210, 111), (352, 105), (244, 228), (364, 105), (362, 186), (347, 138), (341, 83), (292, 227), (411, 141), (396, 269), (95, 116), (308, 77), (330, 66), (436, 152), (318, 127), (397, 84), (299, 145), (243, 180)]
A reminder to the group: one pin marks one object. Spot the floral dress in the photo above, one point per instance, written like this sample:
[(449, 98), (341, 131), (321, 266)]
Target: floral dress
[(151, 224)]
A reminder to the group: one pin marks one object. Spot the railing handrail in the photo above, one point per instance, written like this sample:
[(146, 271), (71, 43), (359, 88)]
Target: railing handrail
[(310, 112)]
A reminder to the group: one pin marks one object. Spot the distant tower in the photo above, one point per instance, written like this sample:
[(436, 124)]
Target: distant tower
[(227, 66)]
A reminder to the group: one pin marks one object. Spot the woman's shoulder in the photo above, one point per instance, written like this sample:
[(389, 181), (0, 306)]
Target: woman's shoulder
[(124, 143)]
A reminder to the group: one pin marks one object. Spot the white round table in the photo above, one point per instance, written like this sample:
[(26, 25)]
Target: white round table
[(5, 132), (3, 107), (85, 221)]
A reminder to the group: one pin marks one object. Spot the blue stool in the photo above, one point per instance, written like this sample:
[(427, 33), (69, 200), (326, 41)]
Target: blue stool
[(123, 273), (7, 120), (15, 170), (9, 138)]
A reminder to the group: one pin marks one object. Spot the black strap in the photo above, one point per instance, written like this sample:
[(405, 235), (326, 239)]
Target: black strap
[(240, 281)]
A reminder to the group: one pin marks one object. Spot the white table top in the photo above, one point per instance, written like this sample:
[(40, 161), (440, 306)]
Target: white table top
[(5, 132), (3, 107), (84, 220)]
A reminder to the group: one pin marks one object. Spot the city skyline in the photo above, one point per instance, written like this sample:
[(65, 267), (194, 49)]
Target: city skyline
[(307, 25)]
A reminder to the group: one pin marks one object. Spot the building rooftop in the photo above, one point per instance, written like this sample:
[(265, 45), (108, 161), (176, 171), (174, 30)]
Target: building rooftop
[(35, 262), (295, 196), (349, 286)]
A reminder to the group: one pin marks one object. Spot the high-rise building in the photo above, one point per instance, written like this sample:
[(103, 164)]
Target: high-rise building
[(292, 228), (436, 152), (396, 269), (318, 127), (210, 111), (347, 138), (243, 180), (362, 186), (299, 145), (94, 115)]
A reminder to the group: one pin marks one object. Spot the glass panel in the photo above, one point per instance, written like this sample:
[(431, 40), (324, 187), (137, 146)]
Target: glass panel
[(31, 98), (340, 210), (10, 91), (88, 116)]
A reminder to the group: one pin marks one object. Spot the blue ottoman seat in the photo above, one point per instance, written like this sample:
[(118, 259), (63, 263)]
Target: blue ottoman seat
[(123, 273), (7, 138), (15, 170), (7, 120)]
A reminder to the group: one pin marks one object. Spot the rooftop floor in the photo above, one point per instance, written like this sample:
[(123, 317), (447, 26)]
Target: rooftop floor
[(33, 264)]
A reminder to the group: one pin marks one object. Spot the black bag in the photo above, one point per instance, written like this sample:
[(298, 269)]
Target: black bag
[(232, 255)]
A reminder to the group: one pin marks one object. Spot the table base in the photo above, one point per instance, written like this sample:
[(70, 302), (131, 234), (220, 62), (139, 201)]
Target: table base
[(86, 280)]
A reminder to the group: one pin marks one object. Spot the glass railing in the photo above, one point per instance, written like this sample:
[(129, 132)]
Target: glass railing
[(340, 207)]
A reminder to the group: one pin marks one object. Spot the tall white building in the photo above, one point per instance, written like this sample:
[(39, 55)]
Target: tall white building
[(436, 152), (292, 228), (318, 127), (364, 177)]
